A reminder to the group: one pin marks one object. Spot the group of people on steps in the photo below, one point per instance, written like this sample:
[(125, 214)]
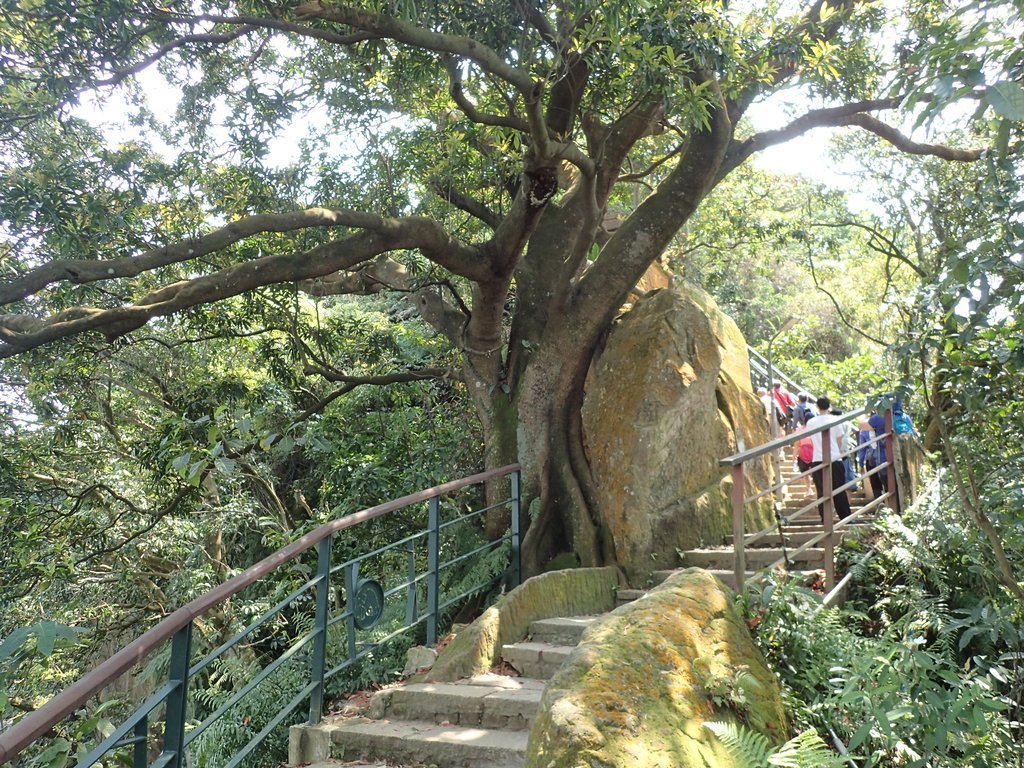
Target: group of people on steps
[(852, 457)]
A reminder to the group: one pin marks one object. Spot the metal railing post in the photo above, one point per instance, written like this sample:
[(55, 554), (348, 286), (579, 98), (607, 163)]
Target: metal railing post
[(890, 457), (140, 751), (318, 658), (411, 607), (177, 700), (515, 554), (829, 506), (738, 528), (351, 584), (433, 556)]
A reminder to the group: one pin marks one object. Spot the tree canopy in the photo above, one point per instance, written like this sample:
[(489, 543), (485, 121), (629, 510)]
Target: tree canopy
[(513, 167)]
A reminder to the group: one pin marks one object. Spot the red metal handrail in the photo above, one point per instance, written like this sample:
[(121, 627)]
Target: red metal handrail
[(36, 723)]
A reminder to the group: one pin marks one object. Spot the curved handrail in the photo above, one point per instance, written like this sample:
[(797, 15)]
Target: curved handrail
[(39, 722)]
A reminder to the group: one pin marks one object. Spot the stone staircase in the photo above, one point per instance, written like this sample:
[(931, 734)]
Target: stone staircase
[(483, 721), (479, 722), (769, 549)]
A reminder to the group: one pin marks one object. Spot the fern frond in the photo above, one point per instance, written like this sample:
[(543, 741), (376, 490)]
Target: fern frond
[(805, 750), (748, 747)]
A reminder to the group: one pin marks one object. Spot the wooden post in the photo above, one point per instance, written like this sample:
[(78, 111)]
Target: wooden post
[(890, 458), (738, 528), (829, 504)]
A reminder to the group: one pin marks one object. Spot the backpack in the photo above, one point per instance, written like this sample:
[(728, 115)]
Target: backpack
[(901, 425), (871, 454)]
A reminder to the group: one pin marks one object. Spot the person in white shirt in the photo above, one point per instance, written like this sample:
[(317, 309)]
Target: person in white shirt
[(771, 408), (838, 471)]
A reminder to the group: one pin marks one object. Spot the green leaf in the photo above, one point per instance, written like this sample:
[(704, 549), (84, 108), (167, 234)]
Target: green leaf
[(46, 637), (1007, 99), (14, 641)]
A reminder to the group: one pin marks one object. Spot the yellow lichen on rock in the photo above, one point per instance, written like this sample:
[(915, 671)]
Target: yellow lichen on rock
[(476, 648), (646, 677), (668, 397)]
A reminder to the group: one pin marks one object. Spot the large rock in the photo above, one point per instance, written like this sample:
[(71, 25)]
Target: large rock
[(477, 648), (645, 678), (669, 396)]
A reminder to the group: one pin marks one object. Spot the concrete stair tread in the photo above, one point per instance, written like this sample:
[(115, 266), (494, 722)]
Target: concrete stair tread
[(417, 741), (627, 595), (792, 537), (490, 701), (728, 576), (565, 630), (537, 660), (728, 550)]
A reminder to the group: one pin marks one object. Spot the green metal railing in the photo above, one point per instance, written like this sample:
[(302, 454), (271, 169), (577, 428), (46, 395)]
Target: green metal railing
[(348, 634)]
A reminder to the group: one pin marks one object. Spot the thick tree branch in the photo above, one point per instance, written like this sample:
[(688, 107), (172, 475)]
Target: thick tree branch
[(82, 271), (644, 235), (382, 274), (19, 332), (906, 144), (447, 192), (398, 377), (467, 107), (120, 75), (395, 29), (815, 118), (279, 25)]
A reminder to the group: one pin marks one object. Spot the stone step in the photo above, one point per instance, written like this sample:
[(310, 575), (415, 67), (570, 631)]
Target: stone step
[(629, 595), (757, 557), (484, 701), (792, 538), (561, 631), (536, 660), (420, 742), (728, 576)]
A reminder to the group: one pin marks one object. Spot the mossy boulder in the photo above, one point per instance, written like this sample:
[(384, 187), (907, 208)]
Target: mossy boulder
[(645, 678), (477, 647), (669, 396)]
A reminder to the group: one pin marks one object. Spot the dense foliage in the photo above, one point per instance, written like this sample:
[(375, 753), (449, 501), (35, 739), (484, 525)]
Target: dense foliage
[(922, 666), (251, 253)]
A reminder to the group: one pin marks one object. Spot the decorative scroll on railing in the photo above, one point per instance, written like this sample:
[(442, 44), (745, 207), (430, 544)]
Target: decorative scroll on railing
[(342, 613), (826, 501)]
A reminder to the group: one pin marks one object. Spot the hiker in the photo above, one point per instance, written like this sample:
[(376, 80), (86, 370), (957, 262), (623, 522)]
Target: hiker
[(771, 407), (805, 457), (838, 472), (863, 436), (848, 474), (801, 411), (880, 480), (785, 402)]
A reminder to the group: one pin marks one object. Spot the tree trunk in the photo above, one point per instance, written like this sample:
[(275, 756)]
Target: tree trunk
[(556, 477)]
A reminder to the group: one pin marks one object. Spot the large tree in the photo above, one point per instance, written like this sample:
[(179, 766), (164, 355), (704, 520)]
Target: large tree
[(518, 166)]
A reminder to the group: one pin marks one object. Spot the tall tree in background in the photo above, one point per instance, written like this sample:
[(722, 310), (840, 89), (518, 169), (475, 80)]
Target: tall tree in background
[(498, 138)]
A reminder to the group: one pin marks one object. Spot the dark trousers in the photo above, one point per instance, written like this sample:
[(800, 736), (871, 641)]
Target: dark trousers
[(840, 500), (878, 482)]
